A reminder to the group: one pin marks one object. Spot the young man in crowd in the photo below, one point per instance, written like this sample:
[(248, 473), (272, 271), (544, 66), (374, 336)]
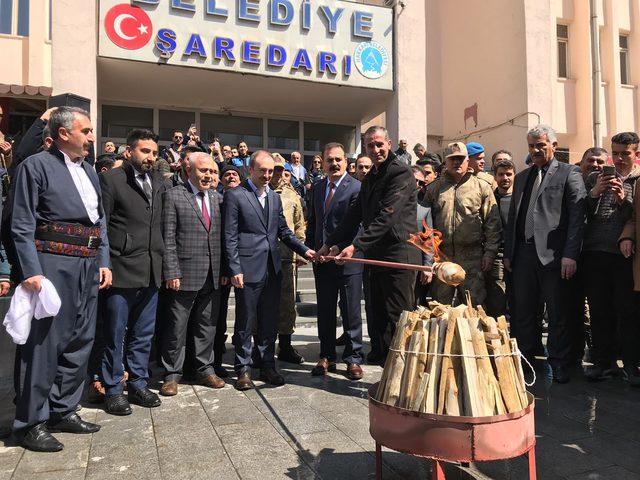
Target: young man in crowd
[(607, 251)]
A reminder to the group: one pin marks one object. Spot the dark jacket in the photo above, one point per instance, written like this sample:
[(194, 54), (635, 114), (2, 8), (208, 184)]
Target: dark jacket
[(386, 207), (134, 227), (251, 242), (321, 225), (43, 191), (559, 213), (191, 250)]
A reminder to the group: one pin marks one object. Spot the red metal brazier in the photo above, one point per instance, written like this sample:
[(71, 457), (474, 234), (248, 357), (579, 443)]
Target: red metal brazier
[(450, 438)]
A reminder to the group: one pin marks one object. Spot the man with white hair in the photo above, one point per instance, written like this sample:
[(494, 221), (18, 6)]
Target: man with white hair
[(543, 238), (192, 230)]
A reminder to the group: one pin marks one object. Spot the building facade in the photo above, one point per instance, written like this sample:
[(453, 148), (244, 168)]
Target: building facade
[(291, 74)]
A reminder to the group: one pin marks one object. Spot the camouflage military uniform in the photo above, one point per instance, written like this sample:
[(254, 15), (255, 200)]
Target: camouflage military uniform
[(293, 214), (467, 215)]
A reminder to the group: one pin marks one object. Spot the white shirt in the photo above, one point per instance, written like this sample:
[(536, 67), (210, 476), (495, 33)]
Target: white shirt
[(84, 186), (262, 198), (200, 199), (298, 171), (336, 184)]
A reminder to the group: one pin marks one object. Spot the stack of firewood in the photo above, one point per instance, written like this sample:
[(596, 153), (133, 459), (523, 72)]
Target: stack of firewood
[(453, 361)]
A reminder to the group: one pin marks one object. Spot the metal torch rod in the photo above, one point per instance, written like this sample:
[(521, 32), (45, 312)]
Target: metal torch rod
[(381, 263)]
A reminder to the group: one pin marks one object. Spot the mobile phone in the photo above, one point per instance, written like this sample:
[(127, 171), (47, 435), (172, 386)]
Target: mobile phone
[(608, 170)]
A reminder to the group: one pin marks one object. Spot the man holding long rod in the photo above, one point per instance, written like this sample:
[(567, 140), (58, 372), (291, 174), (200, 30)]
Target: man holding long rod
[(386, 208)]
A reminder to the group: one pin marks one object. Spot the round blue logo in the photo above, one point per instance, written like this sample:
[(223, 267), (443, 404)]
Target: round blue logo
[(371, 59)]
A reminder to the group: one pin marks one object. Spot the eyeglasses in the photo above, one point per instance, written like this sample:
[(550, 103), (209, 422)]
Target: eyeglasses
[(178, 137)]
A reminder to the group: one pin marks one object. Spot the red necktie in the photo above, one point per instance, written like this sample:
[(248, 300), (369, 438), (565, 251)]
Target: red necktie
[(327, 202), (205, 213)]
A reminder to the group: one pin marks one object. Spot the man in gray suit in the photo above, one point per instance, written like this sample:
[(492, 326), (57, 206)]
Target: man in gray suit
[(254, 222), (191, 269), (542, 243)]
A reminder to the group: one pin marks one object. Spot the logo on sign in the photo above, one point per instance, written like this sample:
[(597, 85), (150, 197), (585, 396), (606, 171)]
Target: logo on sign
[(371, 59), (128, 27)]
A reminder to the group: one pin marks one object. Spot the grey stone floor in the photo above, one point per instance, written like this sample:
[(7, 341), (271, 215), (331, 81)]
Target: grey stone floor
[(318, 428)]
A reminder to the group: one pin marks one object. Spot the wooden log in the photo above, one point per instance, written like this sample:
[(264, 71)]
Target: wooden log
[(410, 369), (485, 368), (470, 388), (446, 362), (433, 362), (394, 365), (502, 364), (452, 405), (418, 400), (517, 363)]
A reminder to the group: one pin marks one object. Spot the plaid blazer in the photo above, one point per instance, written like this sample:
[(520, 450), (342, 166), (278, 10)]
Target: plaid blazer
[(190, 251)]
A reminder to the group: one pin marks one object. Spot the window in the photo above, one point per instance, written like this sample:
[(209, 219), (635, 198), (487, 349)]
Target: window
[(624, 60), (117, 121), (316, 135), (14, 17), (563, 51), (231, 129), (170, 121), (562, 154), (283, 135)]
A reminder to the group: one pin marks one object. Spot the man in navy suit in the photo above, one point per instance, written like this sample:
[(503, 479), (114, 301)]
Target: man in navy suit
[(254, 222), (331, 197)]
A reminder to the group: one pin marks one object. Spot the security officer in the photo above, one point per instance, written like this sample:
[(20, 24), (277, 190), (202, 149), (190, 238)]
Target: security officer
[(58, 227), (464, 209)]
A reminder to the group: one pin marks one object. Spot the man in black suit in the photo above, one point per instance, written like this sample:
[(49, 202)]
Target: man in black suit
[(542, 243), (192, 235), (330, 199), (254, 222), (386, 206), (132, 199)]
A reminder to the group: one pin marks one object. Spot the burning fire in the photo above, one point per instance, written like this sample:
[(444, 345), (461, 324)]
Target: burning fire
[(428, 241)]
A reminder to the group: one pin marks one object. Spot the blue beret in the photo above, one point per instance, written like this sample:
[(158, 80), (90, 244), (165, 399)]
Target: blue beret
[(287, 167), (474, 148)]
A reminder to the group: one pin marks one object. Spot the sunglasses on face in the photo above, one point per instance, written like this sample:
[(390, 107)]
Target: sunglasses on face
[(178, 137)]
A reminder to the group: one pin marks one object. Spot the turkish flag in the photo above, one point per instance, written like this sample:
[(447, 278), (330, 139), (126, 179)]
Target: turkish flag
[(128, 27)]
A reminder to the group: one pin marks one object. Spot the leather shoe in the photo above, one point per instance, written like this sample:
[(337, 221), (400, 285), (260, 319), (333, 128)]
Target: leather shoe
[(271, 376), (221, 371), (244, 382), (169, 388), (38, 439), (341, 341), (72, 424), (290, 355), (212, 381), (117, 405), (375, 357), (354, 371), (322, 367), (561, 375), (145, 398)]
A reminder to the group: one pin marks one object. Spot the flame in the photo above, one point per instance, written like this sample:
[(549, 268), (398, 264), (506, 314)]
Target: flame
[(428, 241)]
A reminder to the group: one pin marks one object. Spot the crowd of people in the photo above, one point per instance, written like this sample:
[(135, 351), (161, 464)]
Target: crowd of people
[(145, 245)]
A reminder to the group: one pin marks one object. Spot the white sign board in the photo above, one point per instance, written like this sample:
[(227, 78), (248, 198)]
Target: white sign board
[(326, 41)]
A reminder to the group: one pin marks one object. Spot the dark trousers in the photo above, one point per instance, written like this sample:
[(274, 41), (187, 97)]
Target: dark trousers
[(221, 325), (52, 365), (576, 314), (197, 312), (611, 303), (374, 338), (534, 283), (329, 283), (392, 292), (129, 324), (257, 309), (94, 368)]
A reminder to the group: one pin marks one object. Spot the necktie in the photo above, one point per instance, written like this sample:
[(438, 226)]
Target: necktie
[(528, 224), (265, 209), (205, 213), (146, 188), (327, 202)]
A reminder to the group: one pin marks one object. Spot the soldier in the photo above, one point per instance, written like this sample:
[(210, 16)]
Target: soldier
[(293, 214), (464, 209), (476, 154)]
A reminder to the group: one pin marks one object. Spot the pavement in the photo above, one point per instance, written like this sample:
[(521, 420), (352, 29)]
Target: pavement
[(318, 428)]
